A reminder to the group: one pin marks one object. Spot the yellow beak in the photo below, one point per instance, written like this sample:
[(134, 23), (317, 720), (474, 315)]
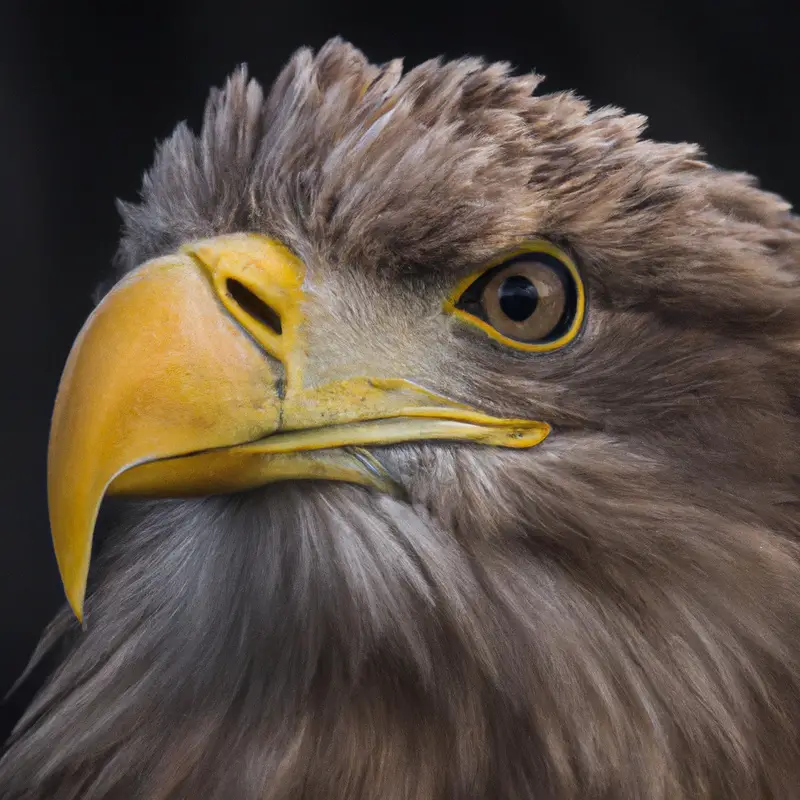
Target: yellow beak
[(188, 378)]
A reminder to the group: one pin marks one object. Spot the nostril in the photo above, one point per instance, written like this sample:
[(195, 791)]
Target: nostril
[(253, 305)]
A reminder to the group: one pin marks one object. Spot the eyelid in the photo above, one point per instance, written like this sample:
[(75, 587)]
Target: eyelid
[(530, 247)]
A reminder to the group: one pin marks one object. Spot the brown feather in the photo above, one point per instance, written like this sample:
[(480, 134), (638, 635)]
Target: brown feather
[(615, 614)]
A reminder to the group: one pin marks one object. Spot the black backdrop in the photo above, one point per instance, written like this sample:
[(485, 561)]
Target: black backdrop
[(86, 90)]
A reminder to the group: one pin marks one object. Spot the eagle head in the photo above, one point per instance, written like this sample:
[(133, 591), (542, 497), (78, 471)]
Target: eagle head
[(460, 431)]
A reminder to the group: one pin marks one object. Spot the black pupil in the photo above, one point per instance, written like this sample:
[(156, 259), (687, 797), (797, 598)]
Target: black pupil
[(518, 298)]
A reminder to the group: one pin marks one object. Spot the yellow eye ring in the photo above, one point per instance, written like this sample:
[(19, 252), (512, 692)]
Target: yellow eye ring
[(531, 298)]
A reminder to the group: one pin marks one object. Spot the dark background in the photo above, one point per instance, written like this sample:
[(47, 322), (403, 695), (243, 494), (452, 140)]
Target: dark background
[(85, 92)]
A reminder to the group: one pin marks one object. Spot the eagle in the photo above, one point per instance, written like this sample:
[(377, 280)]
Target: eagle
[(457, 434)]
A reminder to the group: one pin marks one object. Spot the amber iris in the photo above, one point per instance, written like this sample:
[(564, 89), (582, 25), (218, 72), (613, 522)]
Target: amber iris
[(527, 300)]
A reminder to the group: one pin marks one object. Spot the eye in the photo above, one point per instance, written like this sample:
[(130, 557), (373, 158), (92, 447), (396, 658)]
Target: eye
[(526, 300), (532, 300)]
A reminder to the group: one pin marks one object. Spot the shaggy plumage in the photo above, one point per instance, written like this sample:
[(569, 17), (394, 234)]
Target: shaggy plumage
[(613, 614)]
